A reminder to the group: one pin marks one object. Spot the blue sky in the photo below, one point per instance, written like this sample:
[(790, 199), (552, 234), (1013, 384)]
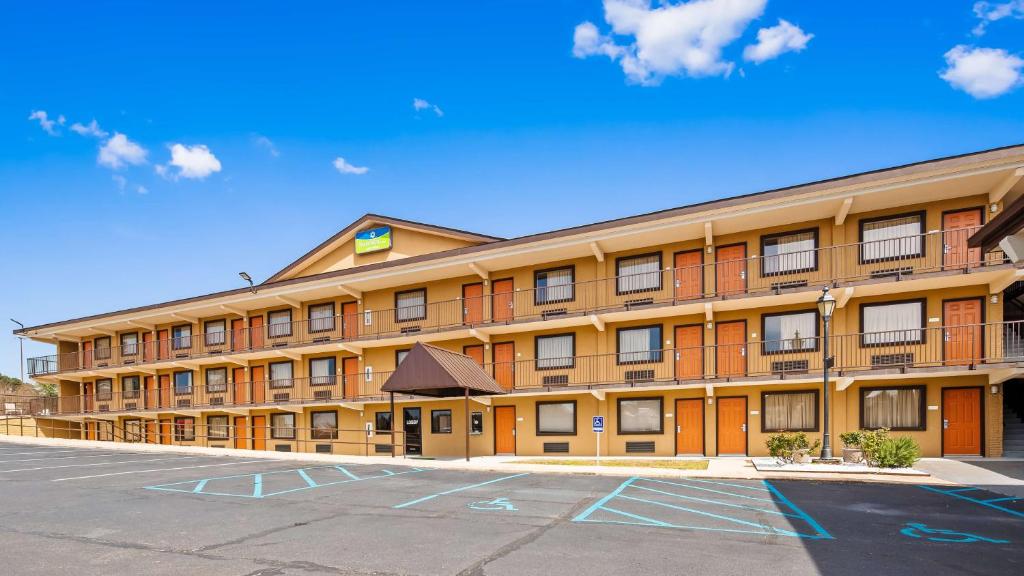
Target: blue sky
[(219, 128)]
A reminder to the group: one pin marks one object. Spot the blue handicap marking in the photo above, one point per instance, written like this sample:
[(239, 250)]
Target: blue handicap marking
[(496, 504), (598, 423), (918, 530)]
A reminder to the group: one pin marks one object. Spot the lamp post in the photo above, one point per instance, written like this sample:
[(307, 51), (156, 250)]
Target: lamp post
[(826, 305), (21, 349), (248, 279)]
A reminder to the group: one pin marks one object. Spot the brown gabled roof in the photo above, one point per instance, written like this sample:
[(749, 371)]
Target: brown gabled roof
[(432, 371), (1008, 223)]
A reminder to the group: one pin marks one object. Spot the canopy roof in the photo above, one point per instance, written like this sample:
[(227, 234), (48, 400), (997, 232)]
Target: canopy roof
[(432, 371)]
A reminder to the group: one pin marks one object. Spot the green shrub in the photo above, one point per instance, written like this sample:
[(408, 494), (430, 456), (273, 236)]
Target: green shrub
[(785, 445), (852, 439), (899, 452)]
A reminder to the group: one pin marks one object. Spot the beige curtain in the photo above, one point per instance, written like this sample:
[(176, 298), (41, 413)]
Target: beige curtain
[(893, 408), (789, 411)]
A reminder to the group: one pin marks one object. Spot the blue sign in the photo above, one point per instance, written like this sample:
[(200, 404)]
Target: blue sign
[(373, 240), (598, 424)]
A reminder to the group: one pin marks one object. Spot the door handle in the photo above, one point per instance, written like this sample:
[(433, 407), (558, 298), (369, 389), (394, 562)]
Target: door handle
[(743, 351), (678, 429), (513, 431), (945, 423), (946, 335), (743, 427), (946, 248), (743, 274), (677, 356)]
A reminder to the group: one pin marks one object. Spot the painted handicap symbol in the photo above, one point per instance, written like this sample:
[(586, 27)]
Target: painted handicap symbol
[(496, 504), (918, 530)]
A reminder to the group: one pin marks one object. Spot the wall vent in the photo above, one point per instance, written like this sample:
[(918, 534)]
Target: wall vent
[(885, 360), (282, 397), (382, 448), (788, 366), (323, 448), (322, 395), (640, 447), (556, 447), (282, 447), (635, 375), (557, 380), (184, 403)]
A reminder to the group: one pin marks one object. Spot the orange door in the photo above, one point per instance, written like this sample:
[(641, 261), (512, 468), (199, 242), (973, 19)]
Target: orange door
[(90, 430), (473, 303), (956, 228), (964, 341), (256, 331), (504, 429), (689, 275), (731, 348), (152, 394), (689, 352), (350, 320), (165, 391), (257, 384), (502, 300), (238, 334), (731, 269), (162, 345), (350, 373), (476, 352), (690, 426), (241, 438), (961, 421), (732, 426), (87, 400), (259, 433), (148, 348), (239, 386), (87, 354), (504, 364), (165, 431), (151, 432)]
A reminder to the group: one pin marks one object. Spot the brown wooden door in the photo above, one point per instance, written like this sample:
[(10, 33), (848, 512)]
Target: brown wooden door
[(505, 364), (256, 332), (148, 347), (166, 430), (259, 433), (241, 433), (238, 334), (476, 352), (689, 274), (504, 429), (731, 348), (731, 269), (258, 384), (689, 352), (164, 391), (732, 426), (350, 320), (502, 300), (90, 430), (163, 348), (151, 434), (152, 394), (239, 386), (473, 303), (964, 341), (961, 421), (690, 426), (350, 377), (957, 227), (87, 391), (87, 354)]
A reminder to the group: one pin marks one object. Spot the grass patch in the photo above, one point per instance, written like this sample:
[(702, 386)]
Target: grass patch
[(670, 464)]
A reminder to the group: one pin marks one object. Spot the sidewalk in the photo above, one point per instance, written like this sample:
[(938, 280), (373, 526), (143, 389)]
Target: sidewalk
[(733, 468), (966, 473)]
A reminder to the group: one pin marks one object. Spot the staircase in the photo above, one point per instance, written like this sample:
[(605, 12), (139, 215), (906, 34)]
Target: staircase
[(1013, 419)]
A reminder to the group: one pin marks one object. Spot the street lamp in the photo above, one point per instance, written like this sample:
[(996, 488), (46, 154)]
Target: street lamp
[(21, 349), (248, 279), (826, 305)]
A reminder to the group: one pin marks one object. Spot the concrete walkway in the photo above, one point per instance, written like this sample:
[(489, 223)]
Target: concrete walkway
[(967, 473), (735, 468)]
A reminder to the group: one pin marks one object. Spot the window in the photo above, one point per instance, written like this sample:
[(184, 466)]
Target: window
[(789, 411), (789, 332), (638, 273), (894, 323), (441, 421), (321, 371), (640, 416), (639, 345), (476, 423), (184, 429), (894, 408), (321, 317), (215, 333), (182, 382), (399, 356), (181, 337), (555, 351), (556, 418), (325, 425), (101, 348), (279, 323), (892, 237), (216, 379), (104, 389), (280, 374), (282, 426), (554, 285), (130, 387), (411, 305), (789, 252), (382, 421), (217, 427), (129, 344)]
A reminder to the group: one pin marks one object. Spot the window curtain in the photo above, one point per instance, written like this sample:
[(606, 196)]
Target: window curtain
[(790, 253), (129, 344), (281, 375), (280, 324), (557, 418), (325, 426), (182, 382), (282, 426), (554, 286), (104, 389), (215, 332), (217, 380), (321, 317), (893, 408), (790, 332), (640, 415), (130, 386), (893, 323), (898, 237), (555, 351), (639, 274), (181, 337), (411, 306), (789, 411), (321, 371), (639, 345), (217, 426)]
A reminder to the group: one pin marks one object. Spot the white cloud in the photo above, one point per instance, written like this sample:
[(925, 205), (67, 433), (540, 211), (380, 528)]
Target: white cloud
[(90, 129), (982, 72), (194, 162), (419, 104), (142, 190), (121, 181), (265, 143), (671, 39), (988, 12), (774, 41), (48, 126), (119, 150), (345, 168)]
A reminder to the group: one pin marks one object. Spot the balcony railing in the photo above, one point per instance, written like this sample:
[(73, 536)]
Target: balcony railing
[(947, 348), (898, 258)]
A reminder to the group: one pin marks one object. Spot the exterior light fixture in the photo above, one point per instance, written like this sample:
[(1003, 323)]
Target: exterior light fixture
[(247, 278)]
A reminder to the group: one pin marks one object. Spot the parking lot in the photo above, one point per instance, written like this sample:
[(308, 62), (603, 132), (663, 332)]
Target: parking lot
[(94, 511)]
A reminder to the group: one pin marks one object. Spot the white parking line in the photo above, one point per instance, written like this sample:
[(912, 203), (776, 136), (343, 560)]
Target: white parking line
[(104, 455), (43, 452), (96, 464), (157, 470)]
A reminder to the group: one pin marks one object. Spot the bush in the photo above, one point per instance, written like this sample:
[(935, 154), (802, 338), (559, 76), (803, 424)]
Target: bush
[(852, 439), (785, 445), (894, 453)]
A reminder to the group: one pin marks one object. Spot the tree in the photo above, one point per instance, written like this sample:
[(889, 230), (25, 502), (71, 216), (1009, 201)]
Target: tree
[(48, 389), (10, 384)]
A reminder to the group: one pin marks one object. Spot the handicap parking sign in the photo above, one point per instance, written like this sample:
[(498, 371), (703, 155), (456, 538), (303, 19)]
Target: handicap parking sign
[(598, 424)]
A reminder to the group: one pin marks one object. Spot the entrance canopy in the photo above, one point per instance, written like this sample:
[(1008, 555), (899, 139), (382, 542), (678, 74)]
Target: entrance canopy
[(432, 371)]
